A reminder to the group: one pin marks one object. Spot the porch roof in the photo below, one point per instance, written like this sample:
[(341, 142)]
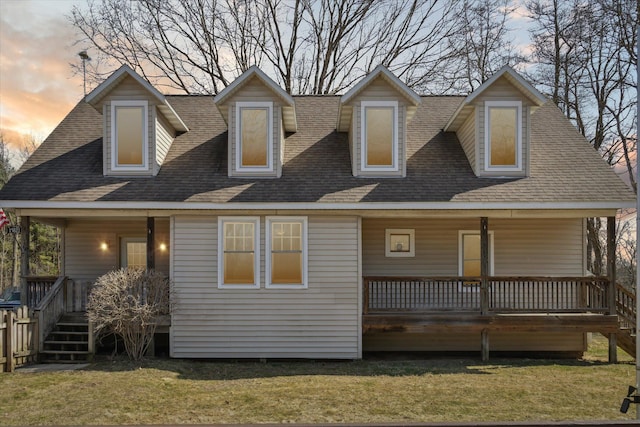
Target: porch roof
[(565, 170)]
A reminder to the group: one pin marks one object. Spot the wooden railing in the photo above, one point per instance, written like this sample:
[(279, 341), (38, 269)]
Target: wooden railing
[(626, 307), (504, 294), (51, 308), (37, 288)]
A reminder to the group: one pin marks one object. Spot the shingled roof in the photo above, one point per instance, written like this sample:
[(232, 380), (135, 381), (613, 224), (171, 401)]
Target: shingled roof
[(565, 169)]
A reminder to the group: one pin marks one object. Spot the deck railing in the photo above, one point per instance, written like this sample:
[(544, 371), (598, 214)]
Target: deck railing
[(38, 287), (626, 307), (504, 294)]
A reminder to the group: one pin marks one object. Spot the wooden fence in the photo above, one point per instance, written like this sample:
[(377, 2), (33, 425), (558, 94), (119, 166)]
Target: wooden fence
[(18, 338)]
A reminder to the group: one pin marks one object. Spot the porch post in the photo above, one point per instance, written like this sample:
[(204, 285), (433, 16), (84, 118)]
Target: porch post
[(25, 229), (151, 243), (611, 273), (484, 284)]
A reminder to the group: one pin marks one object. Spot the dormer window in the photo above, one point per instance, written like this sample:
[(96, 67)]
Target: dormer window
[(129, 127), (254, 136), (379, 135), (503, 135)]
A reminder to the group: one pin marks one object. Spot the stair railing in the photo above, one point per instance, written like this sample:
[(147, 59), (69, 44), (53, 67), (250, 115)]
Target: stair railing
[(51, 308), (626, 308)]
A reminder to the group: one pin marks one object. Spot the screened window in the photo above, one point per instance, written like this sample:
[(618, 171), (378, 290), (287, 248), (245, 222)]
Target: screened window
[(286, 241), (254, 140), (503, 135), (400, 242), (379, 135), (239, 252), (129, 135)]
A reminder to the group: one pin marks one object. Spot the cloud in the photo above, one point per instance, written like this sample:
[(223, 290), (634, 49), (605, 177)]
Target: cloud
[(37, 85)]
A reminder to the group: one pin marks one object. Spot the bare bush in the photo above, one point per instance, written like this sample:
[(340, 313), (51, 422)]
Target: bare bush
[(129, 302)]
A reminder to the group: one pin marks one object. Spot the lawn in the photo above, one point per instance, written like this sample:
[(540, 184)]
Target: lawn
[(444, 389)]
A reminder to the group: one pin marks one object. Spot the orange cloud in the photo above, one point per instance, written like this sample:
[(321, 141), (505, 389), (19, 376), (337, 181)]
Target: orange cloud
[(37, 85)]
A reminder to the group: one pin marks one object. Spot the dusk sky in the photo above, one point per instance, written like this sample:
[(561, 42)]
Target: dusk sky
[(37, 85)]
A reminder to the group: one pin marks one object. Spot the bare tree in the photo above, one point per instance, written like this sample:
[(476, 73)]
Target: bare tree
[(309, 46)]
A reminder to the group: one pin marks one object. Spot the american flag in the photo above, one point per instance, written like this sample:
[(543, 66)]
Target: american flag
[(3, 219)]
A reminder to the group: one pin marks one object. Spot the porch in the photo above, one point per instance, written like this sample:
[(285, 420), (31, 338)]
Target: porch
[(471, 305)]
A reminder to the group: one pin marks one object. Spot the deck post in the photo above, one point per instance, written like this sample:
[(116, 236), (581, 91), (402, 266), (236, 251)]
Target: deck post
[(611, 273), (25, 230), (484, 345), (151, 243), (484, 265)]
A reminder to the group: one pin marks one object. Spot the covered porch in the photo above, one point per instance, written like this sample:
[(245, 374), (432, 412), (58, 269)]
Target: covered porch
[(543, 293)]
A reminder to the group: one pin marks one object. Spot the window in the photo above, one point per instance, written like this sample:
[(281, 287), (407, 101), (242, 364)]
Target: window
[(129, 127), (503, 135), (400, 242), (254, 136), (286, 261), (379, 128), (133, 252), (469, 256), (238, 252)]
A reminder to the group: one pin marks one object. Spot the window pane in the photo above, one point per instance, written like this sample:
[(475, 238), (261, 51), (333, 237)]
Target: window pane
[(254, 136), (471, 243), (399, 243), (286, 268), (136, 255), (379, 123), (471, 268), (238, 268), (503, 136), (129, 123)]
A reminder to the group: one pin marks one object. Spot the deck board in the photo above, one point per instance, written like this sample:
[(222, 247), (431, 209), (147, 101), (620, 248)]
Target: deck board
[(465, 322)]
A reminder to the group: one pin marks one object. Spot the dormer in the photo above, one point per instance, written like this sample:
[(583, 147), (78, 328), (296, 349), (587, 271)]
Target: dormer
[(139, 124), (493, 125), (258, 113), (375, 113)]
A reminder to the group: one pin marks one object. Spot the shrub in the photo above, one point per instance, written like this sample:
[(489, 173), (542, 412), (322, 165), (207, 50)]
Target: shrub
[(129, 302)]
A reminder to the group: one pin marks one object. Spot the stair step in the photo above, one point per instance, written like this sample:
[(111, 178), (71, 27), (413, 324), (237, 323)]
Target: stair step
[(64, 361), (78, 352), (85, 324), (69, 333), (67, 342)]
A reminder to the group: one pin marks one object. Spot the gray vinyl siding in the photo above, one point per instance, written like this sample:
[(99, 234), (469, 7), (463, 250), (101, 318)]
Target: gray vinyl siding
[(502, 90), (319, 322), (255, 91), (85, 261), (378, 90), (467, 137), (164, 137), (538, 247), (129, 90)]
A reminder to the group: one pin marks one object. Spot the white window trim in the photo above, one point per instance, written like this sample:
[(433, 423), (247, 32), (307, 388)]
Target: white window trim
[(305, 252), (461, 258), (487, 133), (412, 242), (238, 142), (363, 136), (145, 136), (256, 245)]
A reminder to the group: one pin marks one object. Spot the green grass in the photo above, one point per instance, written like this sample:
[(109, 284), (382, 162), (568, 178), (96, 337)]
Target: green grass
[(445, 389)]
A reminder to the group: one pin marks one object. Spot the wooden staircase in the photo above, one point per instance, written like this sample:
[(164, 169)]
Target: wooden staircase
[(69, 341), (626, 309)]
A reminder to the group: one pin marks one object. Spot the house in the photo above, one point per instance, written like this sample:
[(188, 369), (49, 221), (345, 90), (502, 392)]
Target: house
[(328, 226)]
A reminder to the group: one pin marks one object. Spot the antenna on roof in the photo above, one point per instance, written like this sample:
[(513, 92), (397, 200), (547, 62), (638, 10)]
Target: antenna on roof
[(83, 55)]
